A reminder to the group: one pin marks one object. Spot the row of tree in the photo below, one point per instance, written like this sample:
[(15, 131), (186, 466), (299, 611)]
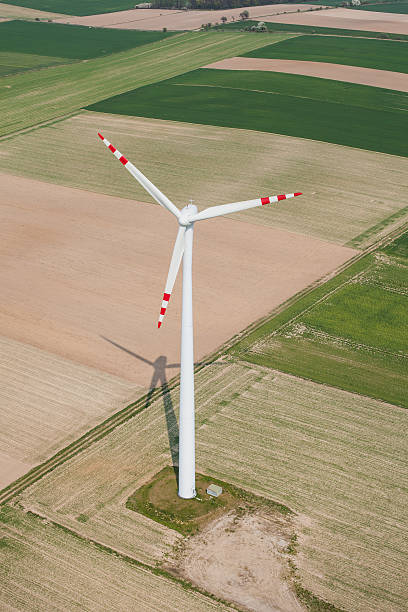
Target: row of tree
[(212, 4)]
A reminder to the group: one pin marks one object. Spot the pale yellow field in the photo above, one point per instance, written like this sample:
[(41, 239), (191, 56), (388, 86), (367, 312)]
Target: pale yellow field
[(47, 402), (346, 190), (21, 12), (338, 459), (43, 569)]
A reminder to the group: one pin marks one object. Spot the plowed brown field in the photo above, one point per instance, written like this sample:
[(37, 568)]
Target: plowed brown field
[(323, 70), (156, 19), (347, 19), (83, 273)]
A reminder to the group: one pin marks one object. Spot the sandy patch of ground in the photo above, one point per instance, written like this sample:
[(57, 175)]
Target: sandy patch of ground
[(242, 560), (323, 70), (156, 19), (347, 19), (46, 402), (82, 271), (11, 11)]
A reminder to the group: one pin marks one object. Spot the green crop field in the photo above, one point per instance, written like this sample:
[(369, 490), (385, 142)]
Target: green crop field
[(386, 7), (355, 336), (30, 98), (69, 41), (288, 27), (308, 107), (380, 54), (76, 7)]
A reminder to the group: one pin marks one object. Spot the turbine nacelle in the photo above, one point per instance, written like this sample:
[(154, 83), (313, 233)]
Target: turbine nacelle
[(186, 214)]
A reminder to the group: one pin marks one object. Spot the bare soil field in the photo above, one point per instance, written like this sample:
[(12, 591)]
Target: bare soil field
[(44, 568), (12, 11), (257, 578), (84, 276), (347, 19), (336, 458), (365, 189), (156, 19), (338, 72), (47, 402)]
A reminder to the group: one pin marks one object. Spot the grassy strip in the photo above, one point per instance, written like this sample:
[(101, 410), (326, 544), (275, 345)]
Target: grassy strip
[(31, 98), (399, 247), (77, 7), (288, 27), (378, 54), (70, 41), (376, 229), (293, 105)]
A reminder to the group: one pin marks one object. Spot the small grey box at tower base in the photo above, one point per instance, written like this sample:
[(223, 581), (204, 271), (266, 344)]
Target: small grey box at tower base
[(214, 490)]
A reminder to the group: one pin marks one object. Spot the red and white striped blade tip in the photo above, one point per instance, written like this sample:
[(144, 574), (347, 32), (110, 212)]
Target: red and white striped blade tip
[(100, 136), (165, 303)]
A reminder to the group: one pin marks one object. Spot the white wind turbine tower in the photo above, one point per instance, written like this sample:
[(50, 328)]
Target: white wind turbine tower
[(183, 249)]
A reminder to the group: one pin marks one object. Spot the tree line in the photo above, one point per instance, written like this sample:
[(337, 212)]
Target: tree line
[(213, 4)]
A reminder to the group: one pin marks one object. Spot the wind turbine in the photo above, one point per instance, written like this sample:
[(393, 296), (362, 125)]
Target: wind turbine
[(183, 249)]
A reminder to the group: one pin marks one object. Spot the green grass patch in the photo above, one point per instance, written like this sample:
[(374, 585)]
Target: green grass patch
[(378, 54), (288, 27), (351, 332), (69, 41), (374, 230), (385, 7), (77, 7), (288, 104), (33, 97), (159, 501), (399, 247)]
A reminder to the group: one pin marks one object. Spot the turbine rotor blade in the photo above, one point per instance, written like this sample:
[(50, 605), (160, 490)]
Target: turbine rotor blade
[(225, 209), (148, 185), (178, 251)]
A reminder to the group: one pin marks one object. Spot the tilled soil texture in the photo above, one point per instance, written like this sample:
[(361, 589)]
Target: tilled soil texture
[(338, 72), (347, 19), (47, 402), (83, 276), (156, 19)]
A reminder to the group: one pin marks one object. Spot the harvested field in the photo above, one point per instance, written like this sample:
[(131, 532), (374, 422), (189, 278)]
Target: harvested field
[(157, 19), (365, 192), (347, 19), (28, 99), (85, 273), (47, 402), (76, 7), (11, 11), (322, 70), (336, 458), (44, 568)]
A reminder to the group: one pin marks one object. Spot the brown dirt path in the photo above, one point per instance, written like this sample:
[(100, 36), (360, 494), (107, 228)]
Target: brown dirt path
[(82, 271), (323, 70), (156, 19), (347, 19)]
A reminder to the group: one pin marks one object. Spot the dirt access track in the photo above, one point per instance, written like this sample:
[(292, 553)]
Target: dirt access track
[(83, 276), (323, 70), (156, 19), (348, 19)]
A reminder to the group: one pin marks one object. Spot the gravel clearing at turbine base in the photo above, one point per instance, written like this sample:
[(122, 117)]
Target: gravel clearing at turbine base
[(347, 191), (335, 458)]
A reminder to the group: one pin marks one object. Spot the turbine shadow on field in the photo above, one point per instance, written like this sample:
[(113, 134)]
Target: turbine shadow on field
[(159, 379)]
